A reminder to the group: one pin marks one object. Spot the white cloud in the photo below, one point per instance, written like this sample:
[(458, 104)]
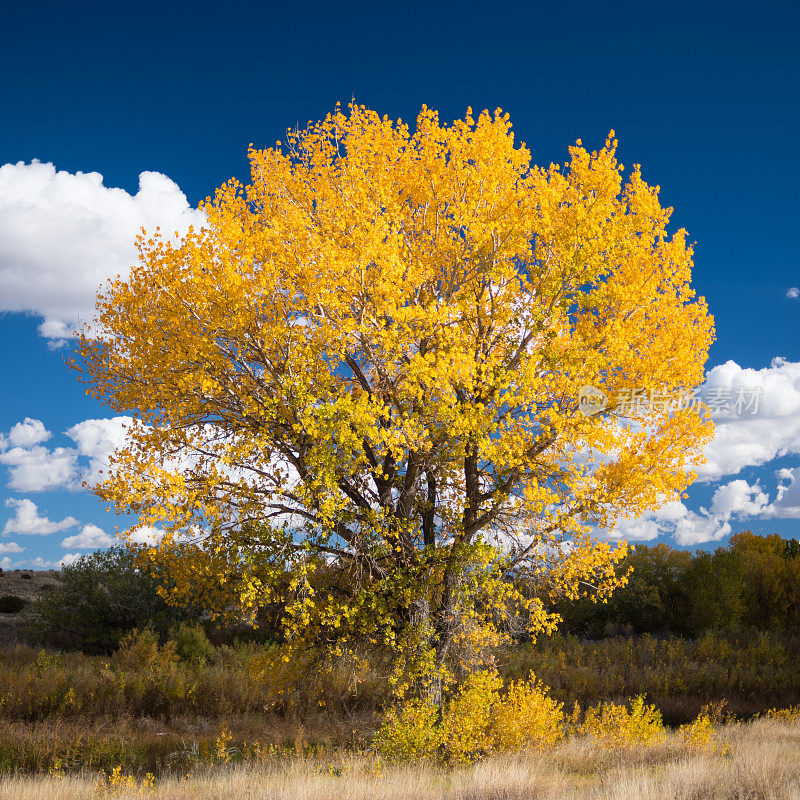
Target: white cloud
[(753, 439), (97, 439), (62, 235), (5, 563), (787, 499), (25, 434), (26, 520), (739, 498), (640, 529), (736, 499), (37, 469), (676, 520), (144, 534), (89, 538), (698, 528), (10, 547), (793, 293), (40, 563)]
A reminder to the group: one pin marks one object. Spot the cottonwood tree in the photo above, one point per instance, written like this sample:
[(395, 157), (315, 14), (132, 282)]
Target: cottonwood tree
[(367, 364)]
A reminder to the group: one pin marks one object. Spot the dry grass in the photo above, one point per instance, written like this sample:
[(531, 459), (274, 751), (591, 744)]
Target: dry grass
[(762, 761)]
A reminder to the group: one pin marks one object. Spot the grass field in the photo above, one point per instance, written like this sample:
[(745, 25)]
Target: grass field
[(755, 760), (237, 721)]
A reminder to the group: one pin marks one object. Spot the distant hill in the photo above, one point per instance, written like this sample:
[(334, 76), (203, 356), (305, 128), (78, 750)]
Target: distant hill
[(25, 584)]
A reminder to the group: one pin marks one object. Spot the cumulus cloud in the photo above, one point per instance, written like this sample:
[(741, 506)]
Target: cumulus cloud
[(787, 500), (793, 293), (673, 519), (640, 529), (97, 439), (698, 528), (40, 563), (26, 520), (37, 468), (736, 499), (145, 534), (757, 419), (756, 414), (62, 235), (739, 498), (89, 538), (10, 547), (25, 434)]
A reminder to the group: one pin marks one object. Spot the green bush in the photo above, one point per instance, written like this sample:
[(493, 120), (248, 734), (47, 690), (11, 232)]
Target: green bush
[(192, 644), (100, 598), (11, 604)]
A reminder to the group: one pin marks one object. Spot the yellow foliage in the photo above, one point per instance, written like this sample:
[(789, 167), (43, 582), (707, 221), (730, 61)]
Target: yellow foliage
[(361, 377), (118, 784), (527, 718), (222, 750), (475, 721), (700, 735), (790, 714), (619, 726), (467, 717), (410, 731), (140, 651)]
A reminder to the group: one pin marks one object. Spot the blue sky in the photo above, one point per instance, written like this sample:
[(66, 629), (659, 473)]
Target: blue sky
[(703, 95)]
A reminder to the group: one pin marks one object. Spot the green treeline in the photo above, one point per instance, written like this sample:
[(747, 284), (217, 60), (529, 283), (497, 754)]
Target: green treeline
[(753, 581)]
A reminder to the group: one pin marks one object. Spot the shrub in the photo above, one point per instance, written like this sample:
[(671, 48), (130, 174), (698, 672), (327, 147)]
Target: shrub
[(467, 717), (410, 731), (474, 722), (192, 644), (790, 714), (47, 660), (700, 735), (101, 597), (11, 604), (139, 651), (527, 718), (118, 784), (619, 727)]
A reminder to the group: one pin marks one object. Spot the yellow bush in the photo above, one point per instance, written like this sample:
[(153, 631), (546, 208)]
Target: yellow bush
[(410, 731), (222, 749), (118, 784), (473, 722), (618, 726), (701, 735), (139, 651), (467, 717), (458, 732), (527, 718), (790, 714)]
